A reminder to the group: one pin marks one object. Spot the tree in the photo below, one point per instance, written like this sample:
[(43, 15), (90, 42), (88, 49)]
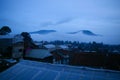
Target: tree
[(28, 42), (25, 34), (5, 30)]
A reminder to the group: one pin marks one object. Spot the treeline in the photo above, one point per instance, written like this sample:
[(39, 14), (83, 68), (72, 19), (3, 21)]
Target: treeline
[(90, 47)]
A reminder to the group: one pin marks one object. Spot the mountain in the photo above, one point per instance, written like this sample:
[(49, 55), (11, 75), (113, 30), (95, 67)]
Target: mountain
[(43, 32), (86, 32), (51, 35)]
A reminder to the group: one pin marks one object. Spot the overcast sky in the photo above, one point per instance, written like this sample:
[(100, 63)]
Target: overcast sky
[(99, 16)]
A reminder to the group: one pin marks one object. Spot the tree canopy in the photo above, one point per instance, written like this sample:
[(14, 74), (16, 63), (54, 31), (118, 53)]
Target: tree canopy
[(5, 30), (28, 42)]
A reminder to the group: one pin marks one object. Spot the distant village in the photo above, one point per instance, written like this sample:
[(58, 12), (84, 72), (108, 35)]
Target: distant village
[(21, 46), (77, 46)]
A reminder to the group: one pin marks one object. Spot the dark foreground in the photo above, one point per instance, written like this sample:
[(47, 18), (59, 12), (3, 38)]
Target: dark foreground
[(32, 70)]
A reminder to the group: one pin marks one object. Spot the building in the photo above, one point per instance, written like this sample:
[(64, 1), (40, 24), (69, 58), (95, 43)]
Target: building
[(31, 70), (6, 46), (50, 47), (107, 61), (42, 55), (64, 47), (17, 52), (61, 56)]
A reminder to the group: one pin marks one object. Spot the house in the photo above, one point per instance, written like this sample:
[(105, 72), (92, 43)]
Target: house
[(64, 47), (17, 52), (50, 47), (6, 45), (5, 42), (109, 61), (42, 55), (61, 56), (39, 44)]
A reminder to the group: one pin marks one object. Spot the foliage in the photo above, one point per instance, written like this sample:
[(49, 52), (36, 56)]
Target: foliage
[(5, 30)]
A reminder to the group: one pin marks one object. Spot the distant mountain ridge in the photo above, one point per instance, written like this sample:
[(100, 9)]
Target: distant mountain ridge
[(43, 32), (86, 32)]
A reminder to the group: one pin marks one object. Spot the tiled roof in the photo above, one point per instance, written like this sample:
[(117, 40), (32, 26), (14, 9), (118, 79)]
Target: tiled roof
[(38, 53), (31, 70)]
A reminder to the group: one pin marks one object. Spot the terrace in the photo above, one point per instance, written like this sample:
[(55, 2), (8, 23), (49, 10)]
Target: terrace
[(32, 70)]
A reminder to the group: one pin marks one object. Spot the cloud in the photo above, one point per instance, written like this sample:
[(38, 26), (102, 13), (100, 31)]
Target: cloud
[(64, 21), (46, 24)]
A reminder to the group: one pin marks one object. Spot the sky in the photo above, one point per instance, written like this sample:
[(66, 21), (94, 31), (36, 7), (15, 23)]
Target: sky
[(99, 16)]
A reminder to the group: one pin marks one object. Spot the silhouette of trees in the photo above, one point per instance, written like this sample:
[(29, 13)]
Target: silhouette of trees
[(5, 30), (28, 42)]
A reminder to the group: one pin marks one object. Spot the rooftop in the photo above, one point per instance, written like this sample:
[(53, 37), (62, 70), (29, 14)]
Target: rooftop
[(38, 53), (31, 70)]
